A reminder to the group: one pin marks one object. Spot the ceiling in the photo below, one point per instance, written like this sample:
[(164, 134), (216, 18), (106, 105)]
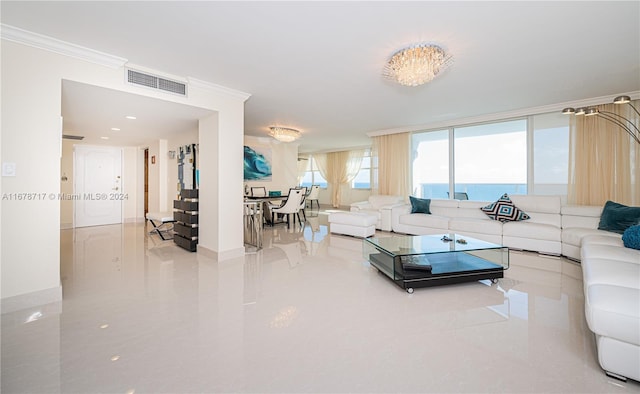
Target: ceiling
[(317, 66)]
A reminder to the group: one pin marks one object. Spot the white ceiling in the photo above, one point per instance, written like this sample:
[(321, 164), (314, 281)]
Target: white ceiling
[(317, 66)]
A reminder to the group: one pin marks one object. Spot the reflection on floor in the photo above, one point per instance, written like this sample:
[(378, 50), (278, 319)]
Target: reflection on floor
[(305, 314)]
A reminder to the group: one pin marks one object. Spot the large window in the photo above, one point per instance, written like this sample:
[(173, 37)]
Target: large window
[(312, 175), (484, 161), (491, 159), (550, 154), (363, 179), (431, 164)]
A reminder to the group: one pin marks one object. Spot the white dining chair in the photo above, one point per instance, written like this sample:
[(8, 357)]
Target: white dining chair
[(290, 207), (313, 196)]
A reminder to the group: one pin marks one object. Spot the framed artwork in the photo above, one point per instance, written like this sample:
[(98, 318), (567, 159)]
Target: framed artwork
[(257, 163)]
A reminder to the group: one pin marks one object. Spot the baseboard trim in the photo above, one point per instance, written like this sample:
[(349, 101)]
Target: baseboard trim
[(30, 300), (221, 256)]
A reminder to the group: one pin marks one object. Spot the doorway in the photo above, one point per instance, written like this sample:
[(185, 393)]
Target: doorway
[(98, 185)]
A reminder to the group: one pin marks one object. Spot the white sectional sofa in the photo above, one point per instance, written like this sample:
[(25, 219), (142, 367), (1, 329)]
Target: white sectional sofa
[(611, 272), (611, 279), (380, 206), (541, 233)]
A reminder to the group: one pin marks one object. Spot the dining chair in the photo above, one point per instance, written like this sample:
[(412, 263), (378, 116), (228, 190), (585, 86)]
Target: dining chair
[(303, 203), (258, 191), (290, 207), (459, 195), (313, 195)]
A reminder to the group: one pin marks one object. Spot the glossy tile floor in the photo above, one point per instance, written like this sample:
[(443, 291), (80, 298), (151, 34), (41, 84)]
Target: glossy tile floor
[(305, 314)]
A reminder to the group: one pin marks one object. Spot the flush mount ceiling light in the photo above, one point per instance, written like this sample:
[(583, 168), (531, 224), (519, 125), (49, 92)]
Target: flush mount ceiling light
[(417, 64), (284, 134)]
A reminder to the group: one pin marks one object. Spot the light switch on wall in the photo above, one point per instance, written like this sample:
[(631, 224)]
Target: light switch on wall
[(8, 169)]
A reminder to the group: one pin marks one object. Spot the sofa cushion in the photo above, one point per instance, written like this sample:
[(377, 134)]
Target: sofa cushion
[(613, 311), (611, 271), (425, 220), (531, 231), (574, 235), (482, 226), (617, 217), (631, 237), (600, 251), (504, 210), (420, 205)]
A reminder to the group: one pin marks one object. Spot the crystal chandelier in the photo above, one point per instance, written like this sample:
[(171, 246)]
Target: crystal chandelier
[(284, 134), (417, 64)]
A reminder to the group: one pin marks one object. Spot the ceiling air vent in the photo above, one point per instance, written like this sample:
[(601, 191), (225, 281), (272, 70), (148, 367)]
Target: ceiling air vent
[(72, 137), (155, 82)]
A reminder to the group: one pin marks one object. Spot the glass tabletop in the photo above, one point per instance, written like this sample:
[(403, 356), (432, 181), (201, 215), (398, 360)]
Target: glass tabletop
[(429, 244)]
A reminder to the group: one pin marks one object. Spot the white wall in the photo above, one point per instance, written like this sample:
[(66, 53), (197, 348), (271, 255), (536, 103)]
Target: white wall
[(154, 176), (130, 166), (31, 137), (284, 163)]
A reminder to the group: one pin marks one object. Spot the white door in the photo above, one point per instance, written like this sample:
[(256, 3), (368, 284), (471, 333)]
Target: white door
[(98, 185)]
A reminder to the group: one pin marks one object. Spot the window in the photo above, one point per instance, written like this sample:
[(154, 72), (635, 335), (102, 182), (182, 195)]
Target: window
[(550, 153), (312, 175), (521, 156), (431, 164), (491, 159), (363, 179)]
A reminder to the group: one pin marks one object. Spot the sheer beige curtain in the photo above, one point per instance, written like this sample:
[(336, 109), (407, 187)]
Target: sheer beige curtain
[(603, 159), (339, 168), (390, 157), (303, 166)]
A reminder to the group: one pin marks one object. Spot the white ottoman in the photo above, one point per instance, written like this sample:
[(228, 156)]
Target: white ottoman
[(357, 224)]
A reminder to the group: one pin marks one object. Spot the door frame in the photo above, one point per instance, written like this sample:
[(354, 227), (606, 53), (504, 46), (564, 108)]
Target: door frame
[(76, 196)]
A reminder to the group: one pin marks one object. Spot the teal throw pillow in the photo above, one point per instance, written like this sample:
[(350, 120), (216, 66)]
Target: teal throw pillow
[(631, 237), (420, 205), (617, 217), (504, 210)]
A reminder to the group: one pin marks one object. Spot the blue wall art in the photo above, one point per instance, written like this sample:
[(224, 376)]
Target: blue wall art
[(257, 164)]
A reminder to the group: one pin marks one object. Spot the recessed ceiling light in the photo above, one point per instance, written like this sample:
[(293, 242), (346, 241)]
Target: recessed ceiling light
[(131, 117), (104, 138), (115, 129)]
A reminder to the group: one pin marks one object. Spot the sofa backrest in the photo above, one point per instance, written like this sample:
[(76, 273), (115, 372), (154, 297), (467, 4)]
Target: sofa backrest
[(378, 200), (542, 209), (471, 209), (584, 216), (444, 207)]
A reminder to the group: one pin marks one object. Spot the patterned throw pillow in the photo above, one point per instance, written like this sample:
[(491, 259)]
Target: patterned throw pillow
[(504, 210)]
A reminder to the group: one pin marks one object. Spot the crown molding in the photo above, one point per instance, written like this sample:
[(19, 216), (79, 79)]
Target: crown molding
[(20, 36), (212, 87), (505, 115)]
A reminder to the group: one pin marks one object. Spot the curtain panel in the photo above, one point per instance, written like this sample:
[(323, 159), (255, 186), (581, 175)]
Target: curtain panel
[(303, 164), (342, 167), (390, 162), (603, 158)]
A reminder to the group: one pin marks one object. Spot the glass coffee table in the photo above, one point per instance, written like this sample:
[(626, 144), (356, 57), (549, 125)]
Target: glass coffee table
[(431, 260)]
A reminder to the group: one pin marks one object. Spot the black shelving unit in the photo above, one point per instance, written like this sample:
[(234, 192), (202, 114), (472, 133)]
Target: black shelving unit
[(185, 213)]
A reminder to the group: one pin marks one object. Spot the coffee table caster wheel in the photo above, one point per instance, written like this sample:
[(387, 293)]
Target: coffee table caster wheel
[(494, 281), (410, 290)]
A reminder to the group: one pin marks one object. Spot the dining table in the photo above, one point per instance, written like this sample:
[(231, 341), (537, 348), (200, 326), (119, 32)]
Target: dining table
[(266, 206)]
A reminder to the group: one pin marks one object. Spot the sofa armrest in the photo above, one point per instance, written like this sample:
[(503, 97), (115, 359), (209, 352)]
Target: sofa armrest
[(396, 212), (358, 206)]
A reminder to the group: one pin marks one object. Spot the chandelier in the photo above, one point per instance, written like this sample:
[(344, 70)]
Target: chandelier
[(417, 65), (284, 134)]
